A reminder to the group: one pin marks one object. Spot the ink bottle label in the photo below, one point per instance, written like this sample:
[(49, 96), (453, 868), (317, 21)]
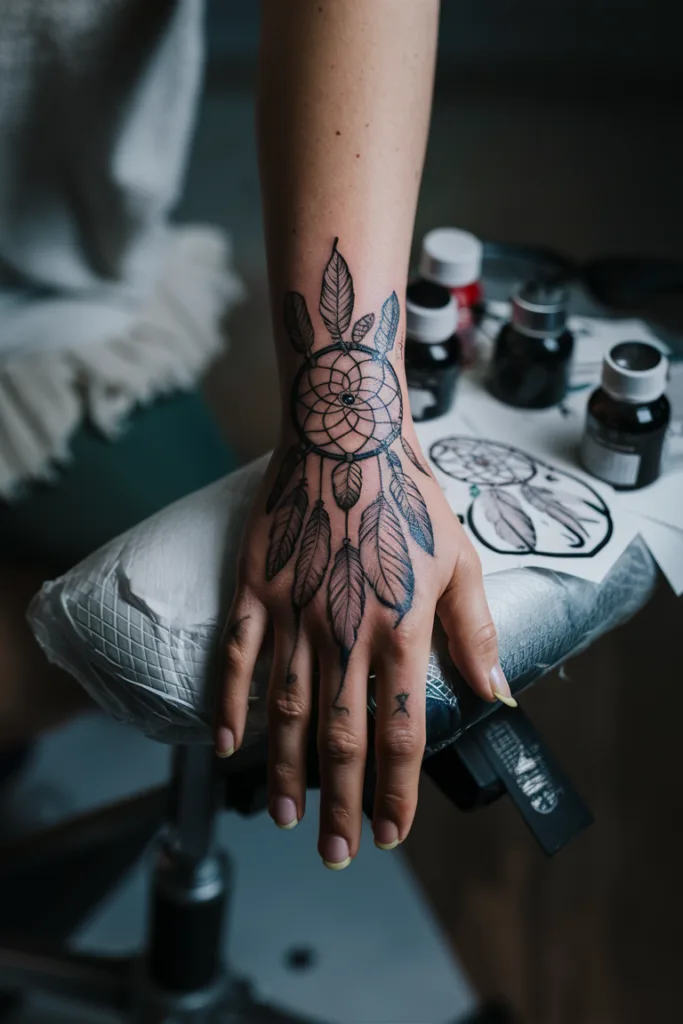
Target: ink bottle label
[(619, 466)]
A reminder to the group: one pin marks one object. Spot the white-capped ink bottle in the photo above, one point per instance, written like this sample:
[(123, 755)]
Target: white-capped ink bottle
[(532, 355), (628, 417), (453, 258), (433, 354)]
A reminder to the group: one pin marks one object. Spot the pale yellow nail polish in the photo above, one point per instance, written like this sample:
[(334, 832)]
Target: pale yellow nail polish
[(386, 834), (510, 701), (387, 846), (337, 867), (225, 742), (283, 812)]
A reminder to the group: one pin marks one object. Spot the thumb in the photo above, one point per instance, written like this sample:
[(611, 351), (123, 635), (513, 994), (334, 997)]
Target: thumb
[(472, 641)]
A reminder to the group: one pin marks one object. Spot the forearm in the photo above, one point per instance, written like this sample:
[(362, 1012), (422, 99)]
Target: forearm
[(344, 98)]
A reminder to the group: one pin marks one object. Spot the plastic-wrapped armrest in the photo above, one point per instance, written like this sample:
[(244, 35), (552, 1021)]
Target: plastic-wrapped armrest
[(138, 623)]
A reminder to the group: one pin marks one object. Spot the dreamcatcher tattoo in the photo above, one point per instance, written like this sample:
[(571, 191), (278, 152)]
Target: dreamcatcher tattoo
[(346, 407)]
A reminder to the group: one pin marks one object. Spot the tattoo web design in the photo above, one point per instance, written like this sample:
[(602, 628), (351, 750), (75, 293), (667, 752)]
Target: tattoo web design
[(346, 407)]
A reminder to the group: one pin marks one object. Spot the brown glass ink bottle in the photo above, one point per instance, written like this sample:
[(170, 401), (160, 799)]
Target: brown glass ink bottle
[(628, 417), (433, 350), (532, 355)]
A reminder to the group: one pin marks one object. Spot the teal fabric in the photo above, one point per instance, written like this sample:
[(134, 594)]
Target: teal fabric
[(167, 450)]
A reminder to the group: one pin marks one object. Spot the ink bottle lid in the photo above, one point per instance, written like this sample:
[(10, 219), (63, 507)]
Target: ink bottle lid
[(628, 417), (532, 355), (539, 310), (432, 351), (634, 371), (451, 257)]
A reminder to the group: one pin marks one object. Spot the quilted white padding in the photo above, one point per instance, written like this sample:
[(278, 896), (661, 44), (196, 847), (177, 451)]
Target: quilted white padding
[(138, 623)]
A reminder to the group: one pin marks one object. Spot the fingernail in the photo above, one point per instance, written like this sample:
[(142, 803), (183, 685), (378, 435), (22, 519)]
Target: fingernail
[(335, 853), (386, 835), (283, 812), (501, 687), (225, 742)]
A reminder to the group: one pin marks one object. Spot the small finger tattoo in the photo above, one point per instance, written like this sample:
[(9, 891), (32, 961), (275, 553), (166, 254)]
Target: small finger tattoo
[(402, 702), (235, 630)]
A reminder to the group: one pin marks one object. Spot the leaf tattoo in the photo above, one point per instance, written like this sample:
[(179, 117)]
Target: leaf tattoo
[(287, 469), (384, 557), (336, 296), (285, 530), (346, 595), (298, 322), (361, 328), (347, 481), (413, 457), (509, 520), (413, 508), (314, 557), (548, 501), (385, 335)]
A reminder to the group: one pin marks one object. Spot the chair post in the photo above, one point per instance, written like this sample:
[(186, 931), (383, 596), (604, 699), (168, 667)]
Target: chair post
[(195, 798), (191, 881)]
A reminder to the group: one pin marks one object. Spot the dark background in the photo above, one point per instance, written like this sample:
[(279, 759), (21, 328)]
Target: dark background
[(557, 123)]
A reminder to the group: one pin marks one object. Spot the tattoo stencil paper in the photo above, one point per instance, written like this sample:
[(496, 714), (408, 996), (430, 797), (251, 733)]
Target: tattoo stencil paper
[(347, 408)]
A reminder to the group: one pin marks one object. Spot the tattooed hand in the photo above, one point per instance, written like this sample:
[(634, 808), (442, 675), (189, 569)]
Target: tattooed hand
[(351, 551)]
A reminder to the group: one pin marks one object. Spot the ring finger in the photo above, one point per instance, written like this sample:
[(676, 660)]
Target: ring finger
[(401, 671)]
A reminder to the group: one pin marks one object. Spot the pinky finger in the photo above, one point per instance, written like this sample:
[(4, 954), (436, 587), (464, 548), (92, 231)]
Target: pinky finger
[(242, 640)]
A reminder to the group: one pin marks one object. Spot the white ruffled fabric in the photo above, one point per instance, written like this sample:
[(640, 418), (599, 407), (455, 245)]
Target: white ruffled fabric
[(44, 396)]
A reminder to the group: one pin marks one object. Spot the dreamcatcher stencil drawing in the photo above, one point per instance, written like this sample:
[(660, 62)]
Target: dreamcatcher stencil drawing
[(521, 505)]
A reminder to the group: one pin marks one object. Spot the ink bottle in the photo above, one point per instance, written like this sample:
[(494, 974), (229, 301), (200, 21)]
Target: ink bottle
[(432, 355), (452, 258), (532, 354), (628, 417)]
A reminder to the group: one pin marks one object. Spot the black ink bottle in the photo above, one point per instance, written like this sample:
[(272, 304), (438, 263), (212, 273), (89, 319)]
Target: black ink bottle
[(532, 355), (432, 349), (453, 258), (628, 417)]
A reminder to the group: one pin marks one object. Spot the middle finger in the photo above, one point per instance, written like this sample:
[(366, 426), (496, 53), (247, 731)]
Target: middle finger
[(342, 748)]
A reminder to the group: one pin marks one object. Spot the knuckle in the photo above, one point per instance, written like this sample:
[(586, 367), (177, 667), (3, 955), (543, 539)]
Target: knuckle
[(288, 707), (341, 747), (398, 806), (469, 563), (338, 815), (399, 745), (283, 776), (403, 640), (485, 640)]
